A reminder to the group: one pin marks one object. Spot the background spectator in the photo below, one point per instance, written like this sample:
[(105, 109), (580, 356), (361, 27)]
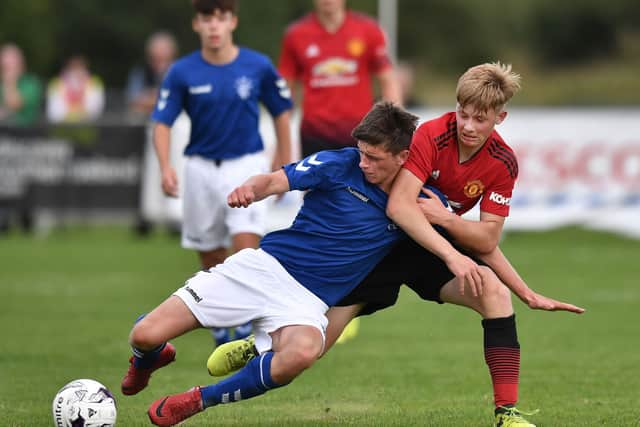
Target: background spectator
[(143, 83), (20, 92), (144, 80), (75, 95)]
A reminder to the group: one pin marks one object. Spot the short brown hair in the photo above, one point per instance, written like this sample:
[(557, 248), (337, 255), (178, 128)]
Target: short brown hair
[(487, 86), (387, 124), (207, 7)]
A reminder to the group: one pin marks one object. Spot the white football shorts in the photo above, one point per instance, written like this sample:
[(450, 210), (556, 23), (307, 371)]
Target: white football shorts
[(208, 222), (252, 286)]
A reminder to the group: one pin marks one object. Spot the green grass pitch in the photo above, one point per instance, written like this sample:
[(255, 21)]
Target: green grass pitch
[(68, 301)]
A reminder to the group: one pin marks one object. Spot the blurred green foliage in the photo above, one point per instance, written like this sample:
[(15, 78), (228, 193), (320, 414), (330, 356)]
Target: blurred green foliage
[(442, 36), (112, 34), (455, 33)]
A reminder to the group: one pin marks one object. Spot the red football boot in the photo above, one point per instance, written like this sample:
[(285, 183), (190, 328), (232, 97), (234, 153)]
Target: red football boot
[(138, 378), (174, 409)]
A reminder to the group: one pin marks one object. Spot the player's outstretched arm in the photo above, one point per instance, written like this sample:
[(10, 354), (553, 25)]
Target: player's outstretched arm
[(510, 277), (435, 212), (257, 188)]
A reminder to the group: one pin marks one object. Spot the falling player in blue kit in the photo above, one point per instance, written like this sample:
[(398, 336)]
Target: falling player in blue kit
[(285, 288), (220, 87)]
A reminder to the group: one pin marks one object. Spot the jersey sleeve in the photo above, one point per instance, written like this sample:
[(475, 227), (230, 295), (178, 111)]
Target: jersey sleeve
[(320, 170), (379, 60), (275, 94), (497, 198), (170, 99), (288, 65), (422, 153)]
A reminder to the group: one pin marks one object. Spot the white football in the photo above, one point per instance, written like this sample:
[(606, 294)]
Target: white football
[(84, 403)]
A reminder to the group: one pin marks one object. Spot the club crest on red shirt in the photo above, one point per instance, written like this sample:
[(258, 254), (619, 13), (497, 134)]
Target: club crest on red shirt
[(473, 188), (355, 47)]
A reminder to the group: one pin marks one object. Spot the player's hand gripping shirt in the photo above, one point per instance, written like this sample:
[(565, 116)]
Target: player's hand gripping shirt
[(222, 102), (336, 71), (488, 176), (340, 233)]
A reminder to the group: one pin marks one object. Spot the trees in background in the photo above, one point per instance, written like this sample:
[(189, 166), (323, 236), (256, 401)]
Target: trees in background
[(444, 34)]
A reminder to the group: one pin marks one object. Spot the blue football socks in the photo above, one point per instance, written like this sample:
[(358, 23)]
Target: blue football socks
[(145, 359), (252, 380)]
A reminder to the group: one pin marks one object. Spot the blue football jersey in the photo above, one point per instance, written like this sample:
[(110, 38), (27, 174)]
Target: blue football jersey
[(341, 231), (222, 102)]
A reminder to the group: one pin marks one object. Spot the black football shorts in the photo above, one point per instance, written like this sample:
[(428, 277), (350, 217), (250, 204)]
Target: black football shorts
[(408, 263)]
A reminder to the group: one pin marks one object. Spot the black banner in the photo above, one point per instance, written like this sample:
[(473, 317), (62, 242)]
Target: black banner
[(72, 168)]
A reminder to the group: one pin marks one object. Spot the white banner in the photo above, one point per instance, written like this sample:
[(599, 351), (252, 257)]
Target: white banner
[(577, 167)]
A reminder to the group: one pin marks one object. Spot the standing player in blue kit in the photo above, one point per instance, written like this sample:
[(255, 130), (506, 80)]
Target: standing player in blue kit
[(220, 87)]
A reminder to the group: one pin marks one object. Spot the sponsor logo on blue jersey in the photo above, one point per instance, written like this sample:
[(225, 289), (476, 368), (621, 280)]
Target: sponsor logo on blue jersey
[(199, 90), (358, 194)]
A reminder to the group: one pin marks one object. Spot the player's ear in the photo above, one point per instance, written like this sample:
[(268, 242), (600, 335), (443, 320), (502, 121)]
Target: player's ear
[(234, 22), (402, 157), (500, 117)]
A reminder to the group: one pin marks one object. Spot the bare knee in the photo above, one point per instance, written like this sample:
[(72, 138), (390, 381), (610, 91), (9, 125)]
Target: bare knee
[(495, 290), (295, 357), (302, 358), (144, 336), (495, 300)]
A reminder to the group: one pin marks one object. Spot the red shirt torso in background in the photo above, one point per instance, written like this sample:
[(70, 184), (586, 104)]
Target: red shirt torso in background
[(488, 176), (335, 69)]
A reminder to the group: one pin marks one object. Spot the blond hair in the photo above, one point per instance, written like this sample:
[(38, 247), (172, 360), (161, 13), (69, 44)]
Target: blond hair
[(487, 86)]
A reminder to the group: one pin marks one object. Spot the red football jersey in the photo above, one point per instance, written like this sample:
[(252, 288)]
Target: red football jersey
[(335, 69), (489, 175)]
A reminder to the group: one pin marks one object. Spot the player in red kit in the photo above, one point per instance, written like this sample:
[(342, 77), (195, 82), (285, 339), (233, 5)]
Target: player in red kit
[(462, 156), (334, 53)]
